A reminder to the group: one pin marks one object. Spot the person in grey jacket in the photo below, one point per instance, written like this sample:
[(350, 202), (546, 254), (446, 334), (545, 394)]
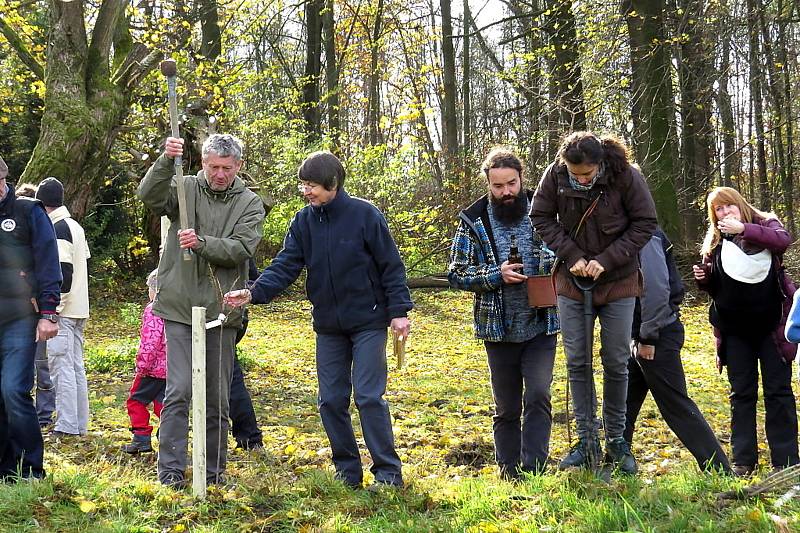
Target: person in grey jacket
[(655, 362), (225, 226)]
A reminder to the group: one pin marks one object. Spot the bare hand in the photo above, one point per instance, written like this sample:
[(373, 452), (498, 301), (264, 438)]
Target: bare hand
[(237, 298), (173, 147), (401, 326), (699, 273), (646, 351), (594, 269), (579, 268), (45, 330), (719, 365), (187, 238), (510, 274), (731, 226)]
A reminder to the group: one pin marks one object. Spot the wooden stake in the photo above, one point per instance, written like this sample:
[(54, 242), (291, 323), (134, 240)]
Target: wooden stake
[(199, 402), (170, 69)]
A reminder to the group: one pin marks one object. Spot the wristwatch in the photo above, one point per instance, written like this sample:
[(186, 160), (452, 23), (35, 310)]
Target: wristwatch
[(52, 317)]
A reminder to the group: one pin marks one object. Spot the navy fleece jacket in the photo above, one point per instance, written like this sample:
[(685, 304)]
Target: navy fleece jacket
[(356, 280)]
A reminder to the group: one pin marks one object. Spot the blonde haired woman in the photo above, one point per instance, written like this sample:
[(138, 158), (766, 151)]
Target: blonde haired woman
[(742, 272)]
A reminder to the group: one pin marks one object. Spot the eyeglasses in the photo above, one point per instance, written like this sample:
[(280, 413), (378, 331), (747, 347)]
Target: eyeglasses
[(306, 187)]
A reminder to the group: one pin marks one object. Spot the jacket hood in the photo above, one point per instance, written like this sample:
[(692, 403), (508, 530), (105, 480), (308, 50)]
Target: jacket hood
[(58, 214)]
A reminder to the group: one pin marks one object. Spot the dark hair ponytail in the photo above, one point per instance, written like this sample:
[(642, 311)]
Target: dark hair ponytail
[(616, 154), (584, 147)]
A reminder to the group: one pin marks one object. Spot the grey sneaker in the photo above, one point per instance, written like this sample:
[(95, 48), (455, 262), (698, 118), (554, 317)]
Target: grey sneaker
[(579, 455), (618, 453)]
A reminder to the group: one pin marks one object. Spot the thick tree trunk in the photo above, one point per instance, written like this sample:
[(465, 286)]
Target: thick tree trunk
[(374, 104), (331, 73), (313, 66), (696, 74), (449, 115), (654, 136), (83, 107), (565, 67), (756, 96)]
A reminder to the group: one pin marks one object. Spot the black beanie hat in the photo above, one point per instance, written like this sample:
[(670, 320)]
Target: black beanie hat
[(50, 192)]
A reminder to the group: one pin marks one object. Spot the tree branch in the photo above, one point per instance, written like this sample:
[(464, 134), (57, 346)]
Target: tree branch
[(21, 50), (104, 30)]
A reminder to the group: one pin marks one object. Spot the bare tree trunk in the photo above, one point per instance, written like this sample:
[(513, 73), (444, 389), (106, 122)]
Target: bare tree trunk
[(731, 157), (313, 67), (783, 57), (696, 75), (466, 97), (449, 115), (652, 107), (780, 122), (565, 67), (331, 73), (753, 7), (374, 105)]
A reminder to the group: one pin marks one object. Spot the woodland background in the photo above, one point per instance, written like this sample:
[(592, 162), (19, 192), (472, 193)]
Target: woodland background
[(411, 94)]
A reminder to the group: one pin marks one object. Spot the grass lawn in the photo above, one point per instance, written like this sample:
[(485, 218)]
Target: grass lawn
[(442, 407)]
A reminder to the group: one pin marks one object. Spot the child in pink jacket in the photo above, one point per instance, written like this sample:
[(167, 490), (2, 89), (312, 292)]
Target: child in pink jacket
[(150, 380)]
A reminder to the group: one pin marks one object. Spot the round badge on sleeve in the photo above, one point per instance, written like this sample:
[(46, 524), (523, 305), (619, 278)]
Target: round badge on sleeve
[(8, 224)]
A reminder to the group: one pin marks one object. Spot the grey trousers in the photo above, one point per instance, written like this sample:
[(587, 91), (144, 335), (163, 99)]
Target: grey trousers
[(45, 391), (65, 358), (615, 333), (356, 362), (173, 434)]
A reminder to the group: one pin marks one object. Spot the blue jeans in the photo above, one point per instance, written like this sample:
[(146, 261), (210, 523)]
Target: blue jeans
[(356, 362), (21, 445)]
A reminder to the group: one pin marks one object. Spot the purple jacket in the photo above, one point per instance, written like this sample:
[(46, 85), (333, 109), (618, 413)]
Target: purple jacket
[(767, 233)]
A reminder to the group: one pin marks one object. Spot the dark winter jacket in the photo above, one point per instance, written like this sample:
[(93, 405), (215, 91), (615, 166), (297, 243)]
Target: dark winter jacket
[(620, 225), (761, 234), (355, 280), (29, 267)]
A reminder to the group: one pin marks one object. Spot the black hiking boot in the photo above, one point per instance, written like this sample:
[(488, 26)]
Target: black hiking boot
[(578, 456), (139, 444), (618, 453)]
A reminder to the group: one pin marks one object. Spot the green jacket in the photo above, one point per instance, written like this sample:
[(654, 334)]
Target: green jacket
[(230, 225)]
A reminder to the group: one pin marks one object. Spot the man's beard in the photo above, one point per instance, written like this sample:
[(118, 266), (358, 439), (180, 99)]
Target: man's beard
[(508, 212)]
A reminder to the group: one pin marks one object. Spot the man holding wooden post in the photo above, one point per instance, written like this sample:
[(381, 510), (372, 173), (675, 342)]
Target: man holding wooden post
[(221, 226)]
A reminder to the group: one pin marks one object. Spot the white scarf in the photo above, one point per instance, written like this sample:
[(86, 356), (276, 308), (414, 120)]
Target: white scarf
[(738, 265)]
